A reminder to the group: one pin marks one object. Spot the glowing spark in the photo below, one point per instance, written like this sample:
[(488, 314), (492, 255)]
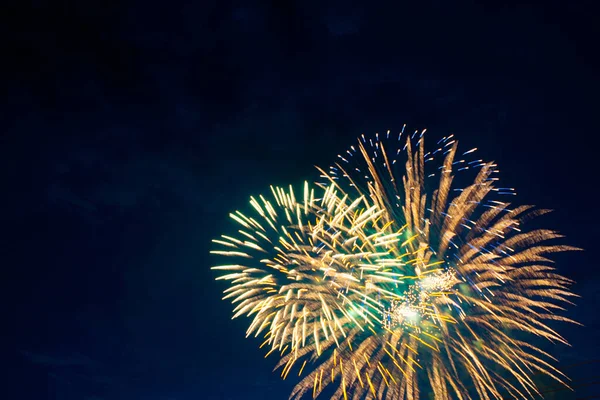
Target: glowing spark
[(390, 288)]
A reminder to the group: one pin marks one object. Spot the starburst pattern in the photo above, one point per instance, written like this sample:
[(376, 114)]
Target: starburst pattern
[(388, 290)]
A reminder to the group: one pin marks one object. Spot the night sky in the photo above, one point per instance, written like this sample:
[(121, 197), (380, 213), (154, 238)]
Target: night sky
[(130, 131)]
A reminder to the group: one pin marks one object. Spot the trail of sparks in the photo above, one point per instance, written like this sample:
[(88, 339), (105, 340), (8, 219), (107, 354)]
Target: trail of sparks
[(390, 289)]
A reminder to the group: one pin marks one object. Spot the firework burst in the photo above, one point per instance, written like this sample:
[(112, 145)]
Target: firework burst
[(389, 289)]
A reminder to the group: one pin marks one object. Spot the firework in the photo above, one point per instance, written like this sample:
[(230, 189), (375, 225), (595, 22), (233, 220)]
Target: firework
[(385, 279)]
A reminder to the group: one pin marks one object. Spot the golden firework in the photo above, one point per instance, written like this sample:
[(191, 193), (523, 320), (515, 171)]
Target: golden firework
[(388, 290)]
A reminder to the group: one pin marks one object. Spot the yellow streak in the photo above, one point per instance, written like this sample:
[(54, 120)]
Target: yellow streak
[(302, 368), (370, 384), (357, 373)]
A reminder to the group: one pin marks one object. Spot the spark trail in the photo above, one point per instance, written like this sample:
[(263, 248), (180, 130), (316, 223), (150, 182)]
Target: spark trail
[(384, 280)]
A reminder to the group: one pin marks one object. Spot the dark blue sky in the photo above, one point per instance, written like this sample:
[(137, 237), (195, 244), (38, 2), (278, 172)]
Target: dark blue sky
[(130, 131)]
